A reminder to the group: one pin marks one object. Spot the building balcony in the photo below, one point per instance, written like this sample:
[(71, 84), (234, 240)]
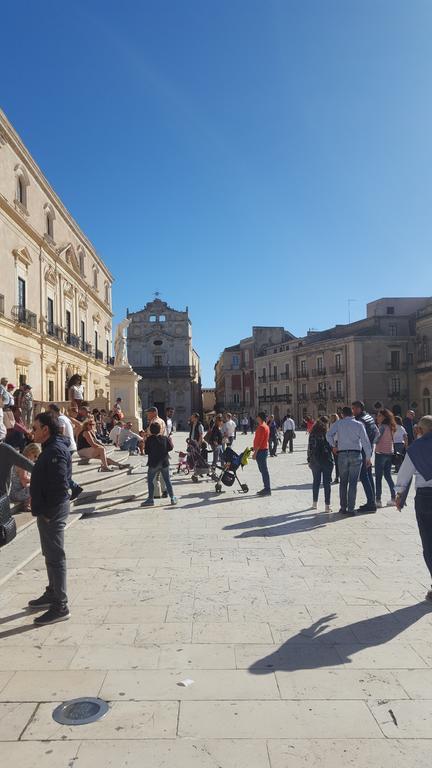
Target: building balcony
[(336, 370), (319, 397), (338, 397), (400, 394), (24, 317), (109, 360), (275, 399), (424, 364), (396, 366), (285, 376), (73, 341), (98, 354), (316, 372), (302, 375), (86, 347), (55, 331), (262, 379), (166, 371), (302, 397), (273, 378)]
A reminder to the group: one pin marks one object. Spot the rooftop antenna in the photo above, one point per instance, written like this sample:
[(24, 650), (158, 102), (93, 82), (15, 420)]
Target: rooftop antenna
[(350, 301)]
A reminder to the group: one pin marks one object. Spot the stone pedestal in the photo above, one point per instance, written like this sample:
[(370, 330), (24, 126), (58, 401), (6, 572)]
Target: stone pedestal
[(124, 384)]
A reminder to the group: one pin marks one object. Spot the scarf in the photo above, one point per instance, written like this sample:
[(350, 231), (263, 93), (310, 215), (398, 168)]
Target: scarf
[(420, 453)]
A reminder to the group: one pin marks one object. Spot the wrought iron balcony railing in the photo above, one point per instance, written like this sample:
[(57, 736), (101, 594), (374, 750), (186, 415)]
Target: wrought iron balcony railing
[(24, 317)]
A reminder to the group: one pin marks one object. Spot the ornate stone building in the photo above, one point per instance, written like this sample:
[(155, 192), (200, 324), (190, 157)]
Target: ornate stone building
[(373, 360), (424, 358), (160, 350), (55, 300)]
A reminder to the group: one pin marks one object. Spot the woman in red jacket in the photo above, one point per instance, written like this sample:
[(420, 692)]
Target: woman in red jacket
[(260, 452)]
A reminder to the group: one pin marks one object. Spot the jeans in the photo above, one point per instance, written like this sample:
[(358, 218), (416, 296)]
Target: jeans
[(217, 455), (288, 438), (130, 444), (261, 458), (152, 472), (323, 471), (423, 508), (273, 445), (383, 464), (349, 471), (52, 544), (366, 479)]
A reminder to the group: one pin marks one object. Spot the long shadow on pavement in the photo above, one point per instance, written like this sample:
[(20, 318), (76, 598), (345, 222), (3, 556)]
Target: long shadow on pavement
[(313, 647)]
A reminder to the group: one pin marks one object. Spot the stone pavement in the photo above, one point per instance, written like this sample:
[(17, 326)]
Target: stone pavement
[(305, 635)]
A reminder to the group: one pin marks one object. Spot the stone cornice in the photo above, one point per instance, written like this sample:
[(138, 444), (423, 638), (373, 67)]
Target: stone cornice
[(49, 250), (10, 136)]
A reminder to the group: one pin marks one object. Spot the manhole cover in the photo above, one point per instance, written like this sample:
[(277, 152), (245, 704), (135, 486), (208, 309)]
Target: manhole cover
[(80, 711)]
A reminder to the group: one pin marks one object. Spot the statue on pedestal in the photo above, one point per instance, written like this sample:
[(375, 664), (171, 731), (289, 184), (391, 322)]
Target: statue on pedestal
[(120, 345)]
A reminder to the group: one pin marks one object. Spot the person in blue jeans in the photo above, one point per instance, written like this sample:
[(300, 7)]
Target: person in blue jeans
[(320, 460), (157, 448), (349, 440)]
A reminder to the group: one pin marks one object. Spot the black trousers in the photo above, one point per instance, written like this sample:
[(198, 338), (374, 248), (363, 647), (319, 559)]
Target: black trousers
[(288, 438), (423, 508)]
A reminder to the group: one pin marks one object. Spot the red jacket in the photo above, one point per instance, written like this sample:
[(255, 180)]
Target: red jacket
[(261, 438)]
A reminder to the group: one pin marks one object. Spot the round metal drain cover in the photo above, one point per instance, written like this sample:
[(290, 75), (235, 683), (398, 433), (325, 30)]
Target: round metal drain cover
[(80, 711)]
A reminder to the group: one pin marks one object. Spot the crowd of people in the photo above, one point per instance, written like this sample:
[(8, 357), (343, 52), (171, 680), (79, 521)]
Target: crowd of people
[(36, 462)]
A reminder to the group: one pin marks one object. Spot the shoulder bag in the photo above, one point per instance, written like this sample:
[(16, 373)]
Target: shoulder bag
[(7, 522)]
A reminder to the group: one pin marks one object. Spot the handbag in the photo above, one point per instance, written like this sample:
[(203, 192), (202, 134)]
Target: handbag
[(7, 522)]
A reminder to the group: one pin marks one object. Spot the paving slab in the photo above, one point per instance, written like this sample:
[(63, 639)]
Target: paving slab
[(300, 631)]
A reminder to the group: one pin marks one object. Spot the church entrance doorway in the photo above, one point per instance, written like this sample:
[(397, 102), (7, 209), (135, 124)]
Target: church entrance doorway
[(161, 408)]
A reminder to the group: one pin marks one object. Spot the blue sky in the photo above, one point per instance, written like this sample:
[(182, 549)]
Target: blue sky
[(261, 162)]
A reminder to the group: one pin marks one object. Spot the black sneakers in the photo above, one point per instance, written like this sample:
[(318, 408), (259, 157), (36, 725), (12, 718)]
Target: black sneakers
[(53, 615), (44, 601), (76, 490), (264, 492)]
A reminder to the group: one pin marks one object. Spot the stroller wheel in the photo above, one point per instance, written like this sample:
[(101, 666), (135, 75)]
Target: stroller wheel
[(194, 479), (218, 488), (186, 471), (245, 488)]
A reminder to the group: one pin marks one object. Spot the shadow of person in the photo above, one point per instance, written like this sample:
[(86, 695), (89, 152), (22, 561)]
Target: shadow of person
[(314, 647), (295, 525)]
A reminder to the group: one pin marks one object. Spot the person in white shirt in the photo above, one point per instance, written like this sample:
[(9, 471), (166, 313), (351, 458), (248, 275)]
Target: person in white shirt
[(245, 424), (114, 434), (67, 431), (288, 430), (400, 443), (169, 413), (129, 440), (228, 430), (418, 463)]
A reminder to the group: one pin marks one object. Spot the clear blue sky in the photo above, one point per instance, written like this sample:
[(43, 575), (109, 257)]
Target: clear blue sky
[(260, 161)]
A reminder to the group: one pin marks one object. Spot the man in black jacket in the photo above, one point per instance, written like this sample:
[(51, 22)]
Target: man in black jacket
[(49, 488), (366, 477)]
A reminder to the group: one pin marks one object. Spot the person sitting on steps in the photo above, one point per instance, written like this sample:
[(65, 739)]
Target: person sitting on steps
[(89, 447)]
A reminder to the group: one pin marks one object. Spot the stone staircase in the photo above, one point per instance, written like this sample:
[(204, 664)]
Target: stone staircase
[(102, 491)]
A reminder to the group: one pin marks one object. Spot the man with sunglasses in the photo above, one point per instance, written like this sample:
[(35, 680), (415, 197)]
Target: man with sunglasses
[(49, 492)]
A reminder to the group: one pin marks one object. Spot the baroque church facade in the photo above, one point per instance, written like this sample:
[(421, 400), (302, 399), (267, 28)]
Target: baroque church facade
[(160, 350)]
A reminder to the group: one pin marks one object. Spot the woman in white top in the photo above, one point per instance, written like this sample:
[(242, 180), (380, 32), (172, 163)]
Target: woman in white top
[(75, 390), (400, 442)]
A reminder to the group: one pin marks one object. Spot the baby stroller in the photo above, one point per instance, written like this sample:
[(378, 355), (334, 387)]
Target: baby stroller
[(232, 463), (182, 465), (197, 460)]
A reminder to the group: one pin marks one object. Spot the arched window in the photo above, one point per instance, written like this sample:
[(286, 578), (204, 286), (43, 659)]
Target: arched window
[(49, 221), (81, 260), (22, 182)]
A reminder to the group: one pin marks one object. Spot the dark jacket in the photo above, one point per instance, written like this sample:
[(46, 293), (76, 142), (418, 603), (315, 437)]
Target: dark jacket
[(319, 450), (52, 472), (371, 428), (157, 448)]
